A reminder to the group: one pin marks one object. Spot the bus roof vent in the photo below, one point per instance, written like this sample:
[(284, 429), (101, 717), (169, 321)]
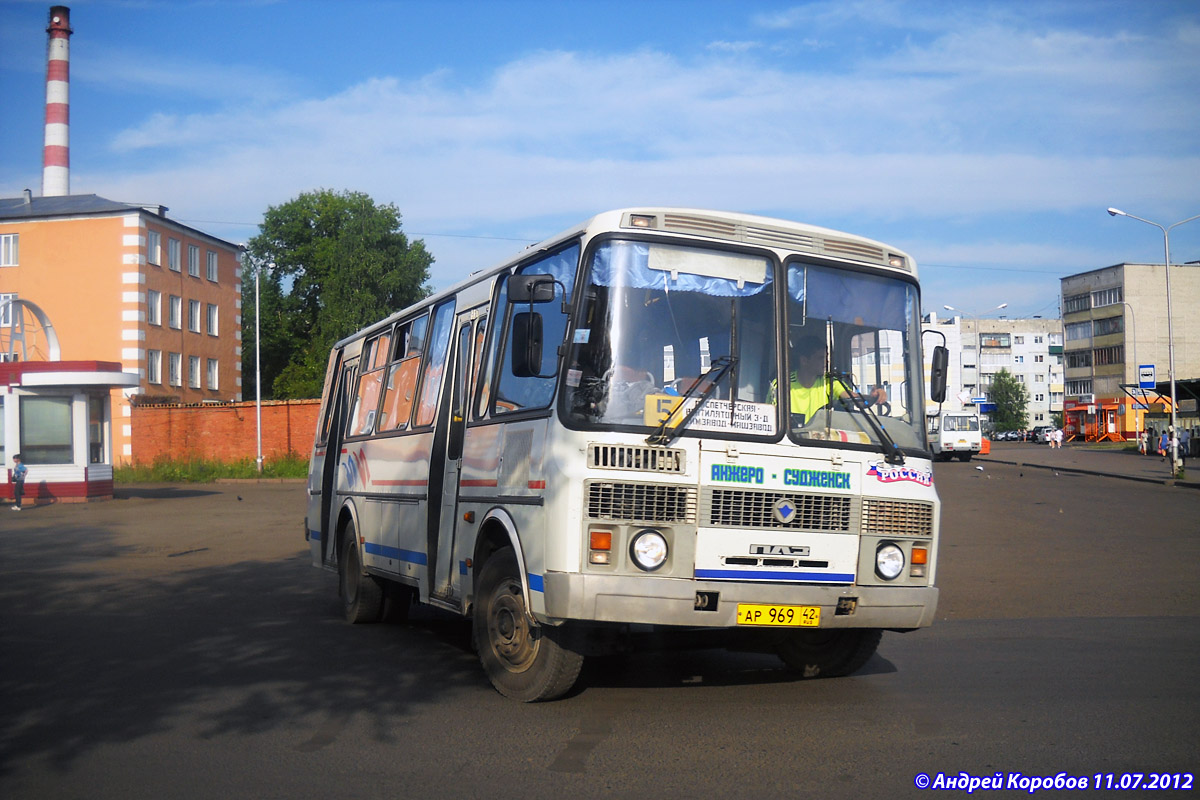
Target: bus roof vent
[(777, 236), (703, 226), (844, 247), (636, 457)]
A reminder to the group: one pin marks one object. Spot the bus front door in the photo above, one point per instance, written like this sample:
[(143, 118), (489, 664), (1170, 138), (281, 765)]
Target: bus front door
[(333, 457), (448, 448)]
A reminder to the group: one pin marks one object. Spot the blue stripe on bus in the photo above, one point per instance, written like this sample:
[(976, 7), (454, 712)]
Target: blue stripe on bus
[(536, 583), (759, 575), (462, 567), (411, 556), (314, 535)]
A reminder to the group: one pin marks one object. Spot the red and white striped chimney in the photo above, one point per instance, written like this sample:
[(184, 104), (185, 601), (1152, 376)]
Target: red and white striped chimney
[(56, 154)]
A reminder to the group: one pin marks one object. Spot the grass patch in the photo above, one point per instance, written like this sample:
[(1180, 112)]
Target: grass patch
[(199, 470)]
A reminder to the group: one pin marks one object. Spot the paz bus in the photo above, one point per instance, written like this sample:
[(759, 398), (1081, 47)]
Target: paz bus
[(597, 445)]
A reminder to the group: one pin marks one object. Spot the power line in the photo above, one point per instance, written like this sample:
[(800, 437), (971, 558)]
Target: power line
[(407, 233)]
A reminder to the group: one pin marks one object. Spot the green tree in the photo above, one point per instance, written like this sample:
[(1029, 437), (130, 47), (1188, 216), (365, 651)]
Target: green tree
[(330, 264), (1012, 401)]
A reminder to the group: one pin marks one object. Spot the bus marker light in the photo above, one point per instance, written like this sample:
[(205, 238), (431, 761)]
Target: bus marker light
[(469, 516), (920, 555), (641, 221), (599, 557), (601, 540)]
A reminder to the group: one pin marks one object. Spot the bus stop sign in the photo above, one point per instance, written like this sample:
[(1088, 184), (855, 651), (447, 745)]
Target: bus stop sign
[(1146, 376)]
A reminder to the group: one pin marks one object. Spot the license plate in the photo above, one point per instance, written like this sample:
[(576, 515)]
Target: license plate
[(779, 616)]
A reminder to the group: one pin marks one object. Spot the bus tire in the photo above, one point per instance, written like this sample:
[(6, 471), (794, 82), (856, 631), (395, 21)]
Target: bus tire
[(964, 456), (362, 596), (522, 660), (829, 653)]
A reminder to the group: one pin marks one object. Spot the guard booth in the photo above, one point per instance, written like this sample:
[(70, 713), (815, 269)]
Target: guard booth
[(58, 416)]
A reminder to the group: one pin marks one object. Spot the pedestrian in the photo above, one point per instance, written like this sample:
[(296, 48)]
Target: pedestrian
[(1141, 443), (1058, 437), (1185, 444), (1164, 444), (18, 476)]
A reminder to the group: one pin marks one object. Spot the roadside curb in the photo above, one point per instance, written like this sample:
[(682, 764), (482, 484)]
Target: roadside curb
[(1187, 484)]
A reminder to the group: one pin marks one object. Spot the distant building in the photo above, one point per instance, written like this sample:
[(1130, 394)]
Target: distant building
[(124, 284), (1030, 349), (1114, 320)]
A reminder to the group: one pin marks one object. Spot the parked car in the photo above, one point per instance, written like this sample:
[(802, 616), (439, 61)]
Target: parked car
[(1041, 434)]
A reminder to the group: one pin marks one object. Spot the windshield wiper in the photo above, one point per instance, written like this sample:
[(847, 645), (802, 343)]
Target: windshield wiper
[(891, 450), (721, 366)]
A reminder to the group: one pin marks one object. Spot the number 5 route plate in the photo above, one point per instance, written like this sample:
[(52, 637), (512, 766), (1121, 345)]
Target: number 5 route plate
[(779, 616)]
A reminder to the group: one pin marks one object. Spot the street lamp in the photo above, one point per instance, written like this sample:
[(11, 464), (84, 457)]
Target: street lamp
[(978, 347), (1116, 212)]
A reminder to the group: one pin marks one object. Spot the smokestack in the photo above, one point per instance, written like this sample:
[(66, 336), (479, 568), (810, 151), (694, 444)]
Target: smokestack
[(56, 158)]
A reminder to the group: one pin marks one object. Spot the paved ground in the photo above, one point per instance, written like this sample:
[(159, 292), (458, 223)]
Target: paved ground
[(1093, 460)]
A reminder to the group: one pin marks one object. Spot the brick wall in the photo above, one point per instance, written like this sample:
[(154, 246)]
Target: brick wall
[(223, 432)]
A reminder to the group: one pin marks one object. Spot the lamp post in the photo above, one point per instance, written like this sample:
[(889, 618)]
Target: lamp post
[(1136, 364), (257, 374), (1116, 212), (978, 347)]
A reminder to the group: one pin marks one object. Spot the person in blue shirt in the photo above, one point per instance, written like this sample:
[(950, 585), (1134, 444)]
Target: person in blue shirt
[(18, 476)]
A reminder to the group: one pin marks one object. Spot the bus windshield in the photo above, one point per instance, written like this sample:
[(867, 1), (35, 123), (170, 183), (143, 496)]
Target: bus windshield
[(657, 318), (853, 358)]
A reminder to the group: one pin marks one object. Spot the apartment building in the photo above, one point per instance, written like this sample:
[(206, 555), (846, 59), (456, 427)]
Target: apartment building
[(124, 283), (1114, 321), (1030, 349)]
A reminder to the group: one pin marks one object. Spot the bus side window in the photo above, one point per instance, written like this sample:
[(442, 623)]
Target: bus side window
[(477, 361), (401, 387), (431, 383)]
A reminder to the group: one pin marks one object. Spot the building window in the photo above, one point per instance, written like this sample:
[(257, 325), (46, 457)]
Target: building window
[(1110, 355), (1077, 359), (1037, 340), (1039, 378), (1018, 340), (1107, 297), (212, 374), (154, 366), (153, 247), (212, 266), (1019, 359), (153, 307), (174, 365), (1038, 398), (173, 254), (212, 319), (194, 372), (1077, 302), (194, 316), (8, 249), (46, 430), (994, 340), (1103, 327), (1038, 359), (193, 261), (1075, 331), (6, 308), (174, 311), (1079, 387)]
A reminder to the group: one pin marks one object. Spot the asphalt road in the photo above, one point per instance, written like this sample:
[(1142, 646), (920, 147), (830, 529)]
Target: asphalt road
[(175, 643)]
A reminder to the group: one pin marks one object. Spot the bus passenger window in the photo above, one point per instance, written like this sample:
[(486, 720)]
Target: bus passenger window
[(432, 382), (366, 403)]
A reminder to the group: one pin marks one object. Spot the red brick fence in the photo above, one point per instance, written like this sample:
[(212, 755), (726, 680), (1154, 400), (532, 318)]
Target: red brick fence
[(223, 432)]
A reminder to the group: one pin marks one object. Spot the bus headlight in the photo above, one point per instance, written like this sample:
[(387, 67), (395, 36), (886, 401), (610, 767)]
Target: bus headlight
[(889, 561), (648, 549)]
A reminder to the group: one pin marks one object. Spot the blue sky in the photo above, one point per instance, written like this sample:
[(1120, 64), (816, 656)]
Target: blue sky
[(986, 139)]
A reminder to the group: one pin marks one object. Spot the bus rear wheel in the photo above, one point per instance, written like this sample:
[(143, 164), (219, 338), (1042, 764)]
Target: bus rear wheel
[(362, 596), (522, 660), (829, 653)]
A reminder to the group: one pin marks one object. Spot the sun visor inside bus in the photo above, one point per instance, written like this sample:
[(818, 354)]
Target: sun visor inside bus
[(639, 265), (852, 297)]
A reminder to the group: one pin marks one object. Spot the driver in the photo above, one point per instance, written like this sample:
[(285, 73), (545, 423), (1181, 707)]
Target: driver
[(810, 387)]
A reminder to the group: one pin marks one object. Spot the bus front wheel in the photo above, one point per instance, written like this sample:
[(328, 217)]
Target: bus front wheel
[(362, 596), (827, 653), (522, 659)]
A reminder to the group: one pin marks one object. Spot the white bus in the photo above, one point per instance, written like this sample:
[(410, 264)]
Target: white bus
[(955, 433), (588, 443)]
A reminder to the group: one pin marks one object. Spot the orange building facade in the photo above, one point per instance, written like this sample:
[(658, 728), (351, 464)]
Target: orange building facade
[(126, 284)]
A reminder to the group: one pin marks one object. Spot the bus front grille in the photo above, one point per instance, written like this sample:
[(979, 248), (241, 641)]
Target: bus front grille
[(636, 457), (641, 502), (734, 508), (897, 517)]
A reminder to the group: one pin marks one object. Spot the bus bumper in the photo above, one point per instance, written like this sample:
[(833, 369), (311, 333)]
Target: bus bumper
[(674, 601)]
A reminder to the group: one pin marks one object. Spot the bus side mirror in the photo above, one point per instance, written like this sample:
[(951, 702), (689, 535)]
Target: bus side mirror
[(530, 288), (937, 374), (527, 344)]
